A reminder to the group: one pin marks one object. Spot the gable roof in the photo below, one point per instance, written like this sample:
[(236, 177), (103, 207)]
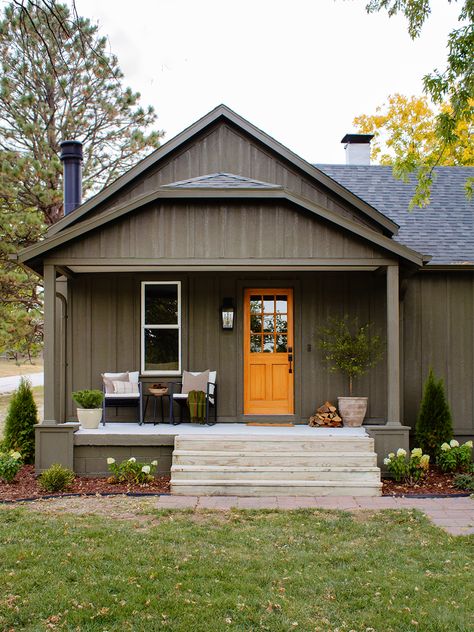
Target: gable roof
[(222, 112), (221, 181), (444, 229)]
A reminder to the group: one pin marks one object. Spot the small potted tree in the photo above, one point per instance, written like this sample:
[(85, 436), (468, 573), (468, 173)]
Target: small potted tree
[(351, 350), (89, 407)]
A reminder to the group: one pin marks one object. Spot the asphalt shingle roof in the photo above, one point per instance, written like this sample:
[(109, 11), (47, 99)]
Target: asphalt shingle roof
[(221, 181), (444, 229)]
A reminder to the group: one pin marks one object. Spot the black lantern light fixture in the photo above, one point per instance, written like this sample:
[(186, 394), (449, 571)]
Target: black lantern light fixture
[(227, 313)]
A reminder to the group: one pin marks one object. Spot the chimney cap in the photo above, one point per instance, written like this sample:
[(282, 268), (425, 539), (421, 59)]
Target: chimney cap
[(71, 149), (357, 138)]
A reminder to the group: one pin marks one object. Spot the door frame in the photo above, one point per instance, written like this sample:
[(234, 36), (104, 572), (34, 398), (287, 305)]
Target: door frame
[(271, 283)]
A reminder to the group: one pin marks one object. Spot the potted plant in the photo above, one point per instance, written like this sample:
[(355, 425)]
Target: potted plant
[(89, 407), (351, 350)]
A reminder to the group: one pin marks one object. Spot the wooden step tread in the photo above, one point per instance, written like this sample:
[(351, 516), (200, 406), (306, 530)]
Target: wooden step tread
[(269, 483), (274, 468)]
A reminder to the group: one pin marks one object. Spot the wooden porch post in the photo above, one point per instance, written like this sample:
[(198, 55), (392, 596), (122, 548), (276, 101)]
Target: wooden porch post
[(393, 347), (50, 386)]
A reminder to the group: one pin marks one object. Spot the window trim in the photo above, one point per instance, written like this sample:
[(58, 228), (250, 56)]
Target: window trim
[(144, 326)]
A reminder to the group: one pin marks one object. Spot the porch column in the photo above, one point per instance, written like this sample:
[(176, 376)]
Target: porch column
[(393, 347), (50, 387)]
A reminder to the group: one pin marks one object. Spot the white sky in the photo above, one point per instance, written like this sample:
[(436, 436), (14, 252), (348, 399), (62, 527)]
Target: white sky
[(301, 70)]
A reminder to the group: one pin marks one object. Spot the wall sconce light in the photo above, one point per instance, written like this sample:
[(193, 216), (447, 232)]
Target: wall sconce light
[(227, 313)]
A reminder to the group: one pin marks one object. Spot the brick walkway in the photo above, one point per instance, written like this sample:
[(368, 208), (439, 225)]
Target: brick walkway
[(454, 515)]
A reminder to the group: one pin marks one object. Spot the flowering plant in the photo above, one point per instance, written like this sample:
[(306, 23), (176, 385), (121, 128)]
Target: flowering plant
[(409, 470), (10, 465), (454, 457), (131, 471)]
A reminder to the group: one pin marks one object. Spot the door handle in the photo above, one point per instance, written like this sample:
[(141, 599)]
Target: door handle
[(290, 360)]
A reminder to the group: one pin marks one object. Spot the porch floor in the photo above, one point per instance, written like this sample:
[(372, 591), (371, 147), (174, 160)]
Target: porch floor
[(219, 429)]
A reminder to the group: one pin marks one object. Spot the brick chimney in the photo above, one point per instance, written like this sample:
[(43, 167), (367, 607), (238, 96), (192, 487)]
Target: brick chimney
[(357, 148), (71, 157)]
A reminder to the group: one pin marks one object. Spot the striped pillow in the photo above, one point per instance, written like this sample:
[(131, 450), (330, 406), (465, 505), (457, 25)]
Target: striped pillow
[(125, 387)]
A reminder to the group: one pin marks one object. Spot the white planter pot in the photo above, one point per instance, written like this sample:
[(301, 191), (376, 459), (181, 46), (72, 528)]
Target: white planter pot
[(352, 410), (89, 417)]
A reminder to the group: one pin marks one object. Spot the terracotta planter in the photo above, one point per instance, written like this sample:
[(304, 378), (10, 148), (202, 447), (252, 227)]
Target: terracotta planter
[(89, 417), (352, 410)]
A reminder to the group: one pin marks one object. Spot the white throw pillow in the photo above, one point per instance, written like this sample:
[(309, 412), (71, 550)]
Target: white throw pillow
[(133, 376), (125, 387)]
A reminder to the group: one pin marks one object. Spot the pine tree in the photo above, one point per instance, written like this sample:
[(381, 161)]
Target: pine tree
[(22, 415), (58, 82), (434, 425)]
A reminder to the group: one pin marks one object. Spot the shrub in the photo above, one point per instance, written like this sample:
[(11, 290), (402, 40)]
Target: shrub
[(464, 482), (131, 471), (410, 470), (454, 457), (350, 348), (56, 478), (434, 424), (10, 465), (22, 415), (88, 399)]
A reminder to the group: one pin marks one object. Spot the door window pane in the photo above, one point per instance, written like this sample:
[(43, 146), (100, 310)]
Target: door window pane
[(281, 323), (281, 305), (268, 323), (161, 349), (255, 344), (256, 322), (255, 304), (268, 344), (268, 304), (281, 344), (161, 304)]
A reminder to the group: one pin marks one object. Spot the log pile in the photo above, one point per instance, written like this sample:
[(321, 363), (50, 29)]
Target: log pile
[(326, 416)]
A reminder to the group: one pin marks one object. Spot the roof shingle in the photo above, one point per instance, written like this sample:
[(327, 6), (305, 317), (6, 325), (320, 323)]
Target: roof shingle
[(444, 229)]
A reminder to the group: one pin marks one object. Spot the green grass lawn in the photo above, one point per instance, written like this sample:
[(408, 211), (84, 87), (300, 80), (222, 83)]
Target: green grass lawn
[(242, 570)]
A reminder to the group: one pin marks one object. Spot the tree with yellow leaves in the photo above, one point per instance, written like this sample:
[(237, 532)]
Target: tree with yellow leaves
[(405, 128)]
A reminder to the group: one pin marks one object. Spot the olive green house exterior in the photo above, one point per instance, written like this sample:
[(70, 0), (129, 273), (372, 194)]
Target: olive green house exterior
[(219, 209)]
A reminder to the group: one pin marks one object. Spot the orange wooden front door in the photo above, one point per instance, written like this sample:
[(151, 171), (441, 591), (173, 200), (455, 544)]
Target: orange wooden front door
[(268, 352)]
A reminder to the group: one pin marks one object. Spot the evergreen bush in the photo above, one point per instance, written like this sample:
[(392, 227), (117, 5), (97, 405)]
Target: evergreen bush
[(434, 424), (22, 415), (56, 478)]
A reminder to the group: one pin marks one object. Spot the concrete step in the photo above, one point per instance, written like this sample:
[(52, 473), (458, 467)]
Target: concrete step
[(274, 473), (258, 443), (239, 487), (283, 458)]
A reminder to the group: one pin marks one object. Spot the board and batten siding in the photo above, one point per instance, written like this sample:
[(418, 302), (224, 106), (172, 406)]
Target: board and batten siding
[(224, 148), (438, 332), (105, 331), (219, 230)]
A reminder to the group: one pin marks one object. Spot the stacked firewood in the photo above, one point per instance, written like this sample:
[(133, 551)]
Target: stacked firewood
[(326, 415)]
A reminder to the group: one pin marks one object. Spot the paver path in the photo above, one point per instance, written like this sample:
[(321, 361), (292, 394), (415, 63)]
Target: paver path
[(454, 515)]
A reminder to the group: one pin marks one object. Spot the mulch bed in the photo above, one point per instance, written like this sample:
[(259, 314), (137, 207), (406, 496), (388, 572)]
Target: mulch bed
[(435, 483), (26, 485)]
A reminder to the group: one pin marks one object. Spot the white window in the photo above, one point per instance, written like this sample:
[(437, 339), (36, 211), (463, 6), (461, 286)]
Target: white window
[(161, 328)]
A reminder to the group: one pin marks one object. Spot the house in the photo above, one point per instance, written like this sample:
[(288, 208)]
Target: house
[(224, 214)]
